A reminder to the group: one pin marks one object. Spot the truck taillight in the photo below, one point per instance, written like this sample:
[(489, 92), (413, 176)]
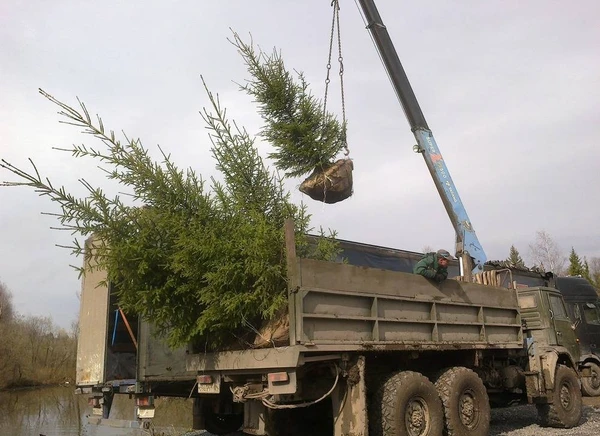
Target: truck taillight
[(145, 406), (145, 401), (205, 379), (274, 377)]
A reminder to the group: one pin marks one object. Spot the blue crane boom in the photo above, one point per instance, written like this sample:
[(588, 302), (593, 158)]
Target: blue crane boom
[(468, 248)]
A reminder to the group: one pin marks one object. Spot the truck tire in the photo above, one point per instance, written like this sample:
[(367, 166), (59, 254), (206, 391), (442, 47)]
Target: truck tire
[(406, 404), (591, 386), (565, 410), (466, 403)]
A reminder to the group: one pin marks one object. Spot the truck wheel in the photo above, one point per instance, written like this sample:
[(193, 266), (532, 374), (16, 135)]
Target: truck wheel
[(223, 423), (466, 403), (407, 404), (565, 409), (591, 386)]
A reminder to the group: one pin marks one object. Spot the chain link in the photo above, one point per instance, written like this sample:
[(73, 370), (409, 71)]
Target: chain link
[(341, 61), (327, 79), (335, 22)]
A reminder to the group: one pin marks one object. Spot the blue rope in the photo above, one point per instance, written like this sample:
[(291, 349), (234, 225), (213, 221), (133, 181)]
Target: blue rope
[(115, 328)]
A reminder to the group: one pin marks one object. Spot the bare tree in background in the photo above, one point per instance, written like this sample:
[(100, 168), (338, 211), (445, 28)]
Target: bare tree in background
[(75, 328), (6, 307), (594, 264), (546, 254)]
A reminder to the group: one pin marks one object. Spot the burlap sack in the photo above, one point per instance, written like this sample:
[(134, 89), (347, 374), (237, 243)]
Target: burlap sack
[(330, 185), (275, 333)]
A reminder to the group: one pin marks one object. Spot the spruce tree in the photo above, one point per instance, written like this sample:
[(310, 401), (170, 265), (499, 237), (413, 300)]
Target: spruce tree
[(575, 266), (514, 258), (585, 271), (198, 261), (304, 136)]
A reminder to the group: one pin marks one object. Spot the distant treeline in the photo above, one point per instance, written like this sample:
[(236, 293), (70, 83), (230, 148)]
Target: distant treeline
[(33, 351)]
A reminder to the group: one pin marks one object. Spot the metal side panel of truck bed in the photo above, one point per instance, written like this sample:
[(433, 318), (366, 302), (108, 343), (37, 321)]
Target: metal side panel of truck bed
[(333, 304), (335, 307), (156, 360)]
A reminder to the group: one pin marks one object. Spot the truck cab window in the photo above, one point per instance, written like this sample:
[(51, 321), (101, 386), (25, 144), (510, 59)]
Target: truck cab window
[(590, 314), (557, 306)]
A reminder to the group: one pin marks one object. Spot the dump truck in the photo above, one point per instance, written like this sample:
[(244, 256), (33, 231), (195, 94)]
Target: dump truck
[(393, 353), (361, 351)]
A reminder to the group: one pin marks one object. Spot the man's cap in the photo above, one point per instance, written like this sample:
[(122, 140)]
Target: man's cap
[(444, 254)]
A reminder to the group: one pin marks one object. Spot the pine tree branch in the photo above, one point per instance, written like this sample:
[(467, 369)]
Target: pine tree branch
[(304, 136)]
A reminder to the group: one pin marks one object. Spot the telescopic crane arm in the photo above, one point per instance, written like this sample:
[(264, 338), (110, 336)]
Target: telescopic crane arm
[(468, 249)]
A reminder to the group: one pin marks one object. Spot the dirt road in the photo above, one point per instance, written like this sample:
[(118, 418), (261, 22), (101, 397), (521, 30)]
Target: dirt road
[(522, 421)]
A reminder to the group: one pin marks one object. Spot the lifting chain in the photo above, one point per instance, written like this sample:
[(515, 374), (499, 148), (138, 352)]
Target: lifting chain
[(335, 22)]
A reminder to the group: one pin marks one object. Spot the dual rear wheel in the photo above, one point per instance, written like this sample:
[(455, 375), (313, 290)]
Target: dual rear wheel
[(409, 404), (406, 404), (466, 402)]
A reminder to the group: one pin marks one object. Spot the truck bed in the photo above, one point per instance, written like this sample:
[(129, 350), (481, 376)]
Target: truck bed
[(338, 307), (334, 303), (343, 308)]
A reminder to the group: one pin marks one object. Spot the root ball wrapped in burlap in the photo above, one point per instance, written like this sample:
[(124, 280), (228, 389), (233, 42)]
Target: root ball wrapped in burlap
[(331, 184)]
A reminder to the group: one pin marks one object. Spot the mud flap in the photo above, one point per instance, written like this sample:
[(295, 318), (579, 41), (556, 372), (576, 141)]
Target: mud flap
[(549, 364)]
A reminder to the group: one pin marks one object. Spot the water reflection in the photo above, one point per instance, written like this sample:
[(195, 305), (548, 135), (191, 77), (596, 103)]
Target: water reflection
[(57, 411), (48, 411)]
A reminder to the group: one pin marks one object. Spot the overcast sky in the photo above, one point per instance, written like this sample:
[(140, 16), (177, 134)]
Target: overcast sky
[(511, 90)]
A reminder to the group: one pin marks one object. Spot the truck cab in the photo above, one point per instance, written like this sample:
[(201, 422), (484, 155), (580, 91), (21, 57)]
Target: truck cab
[(584, 309), (545, 317), (583, 306)]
